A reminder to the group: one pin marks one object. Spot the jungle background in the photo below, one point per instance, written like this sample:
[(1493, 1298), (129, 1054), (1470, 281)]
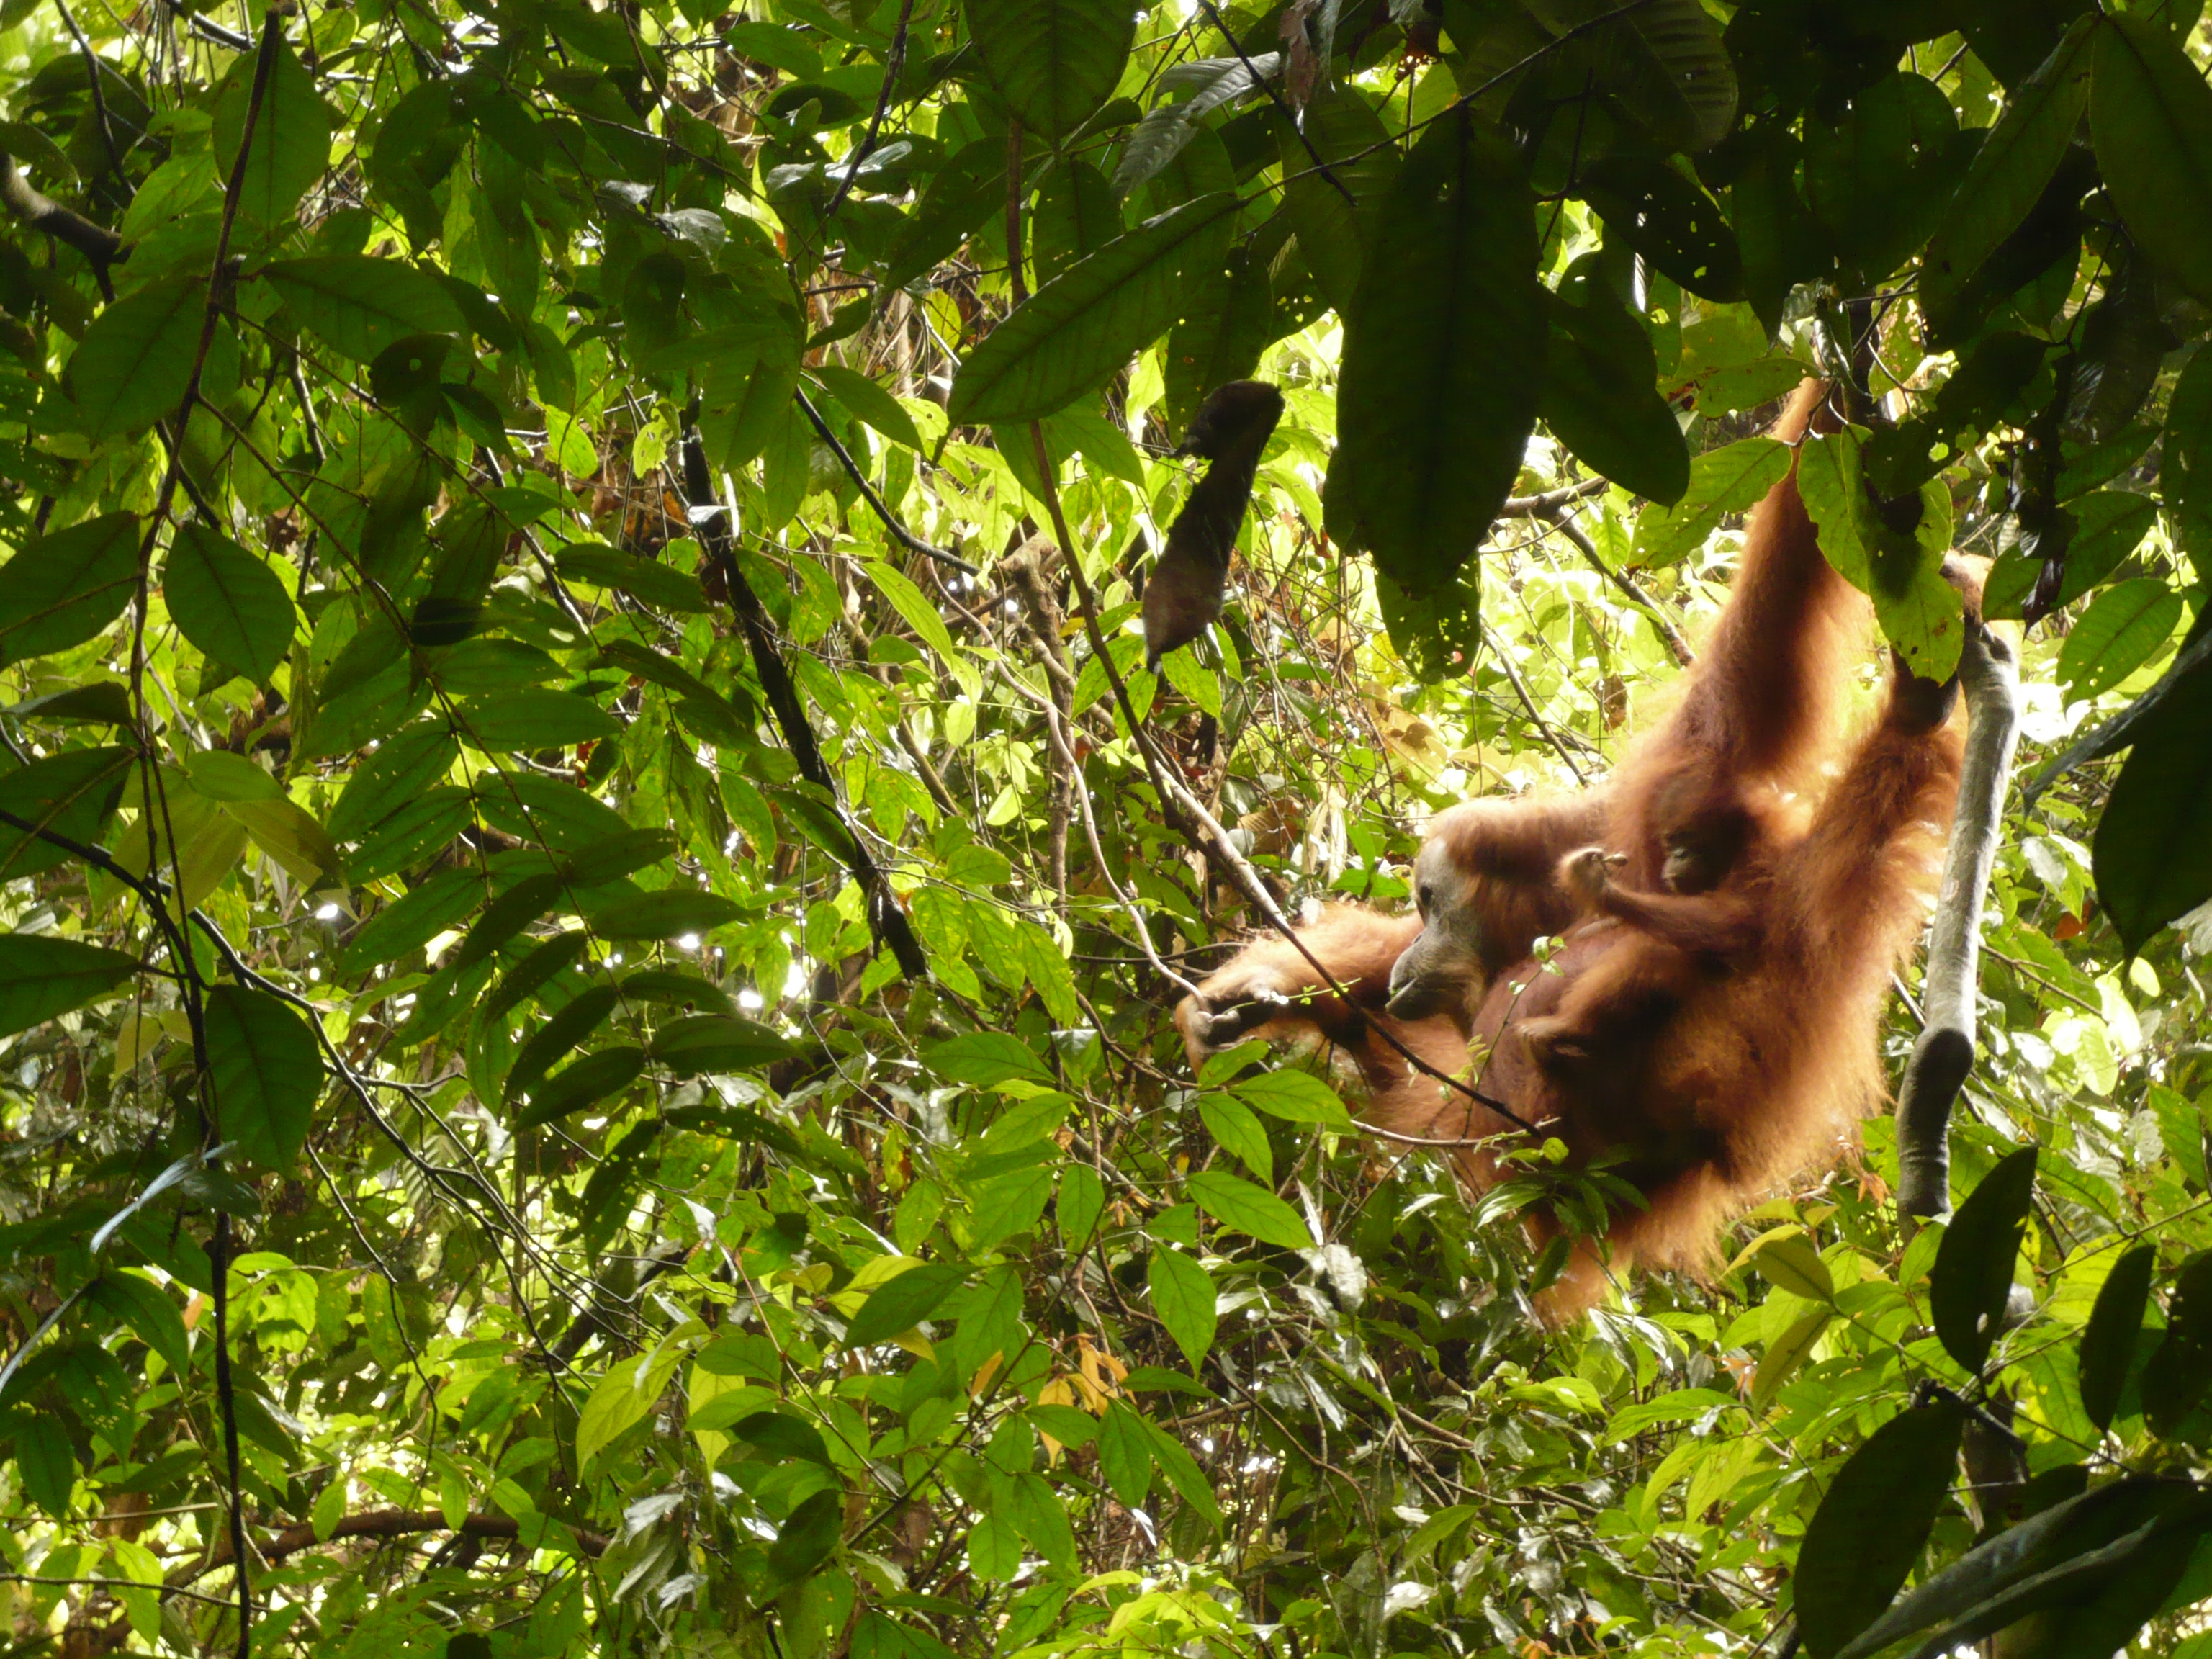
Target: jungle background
[(594, 877)]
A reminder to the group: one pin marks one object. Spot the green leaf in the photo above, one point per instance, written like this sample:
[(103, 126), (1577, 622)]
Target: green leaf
[(133, 365), (1723, 482), (1182, 1297), (623, 1396), (1599, 398), (664, 915), (291, 141), (1125, 1453), (1869, 1530), (1081, 1202), (717, 1042), (1443, 360), (569, 1025), (902, 1302), (267, 1071), (1078, 330), (2108, 1344), (535, 718), (506, 917), (227, 602), (1785, 1353), (411, 922), (1901, 570), (2008, 173), (2180, 1368), (1232, 1124), (402, 768), (60, 590), (657, 584), (73, 793), (587, 1082), (2121, 630), (1346, 133), (1054, 62), (1239, 1205), (1968, 1286), (221, 775), (1667, 220), (1183, 1472), (911, 603), (359, 305), (1793, 1263), (2152, 849), (41, 976), (533, 973), (1296, 1096), (985, 1059), (1663, 62), (869, 402), (2150, 119), (1877, 179)]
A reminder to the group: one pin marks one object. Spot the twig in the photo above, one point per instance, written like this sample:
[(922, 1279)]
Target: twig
[(1276, 99), (1990, 675), (887, 922), (1555, 515), (100, 246), (1528, 702), (894, 61), (900, 533), (1544, 505)]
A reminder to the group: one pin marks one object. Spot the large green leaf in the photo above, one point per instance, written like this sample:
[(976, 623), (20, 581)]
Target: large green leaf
[(2180, 1368), (902, 1302), (2108, 1344), (1900, 570), (1723, 482), (2008, 173), (1236, 1203), (1183, 1297), (1331, 210), (1082, 327), (360, 305), (664, 915), (400, 770), (1601, 399), (267, 1073), (2150, 117), (60, 590), (1870, 1527), (132, 366), (1971, 1280), (1054, 62), (1663, 62), (227, 602), (41, 976), (414, 920), (291, 141), (73, 793), (2153, 849), (1443, 360), (535, 718), (1877, 179), (2117, 635)]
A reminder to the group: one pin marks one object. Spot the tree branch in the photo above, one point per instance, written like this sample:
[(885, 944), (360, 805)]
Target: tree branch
[(99, 245), (1990, 673)]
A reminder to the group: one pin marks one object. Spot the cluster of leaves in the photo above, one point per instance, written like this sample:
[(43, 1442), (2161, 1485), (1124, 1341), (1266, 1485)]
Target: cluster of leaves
[(591, 873)]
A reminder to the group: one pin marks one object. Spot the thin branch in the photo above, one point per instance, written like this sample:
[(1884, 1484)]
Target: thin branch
[(894, 62), (100, 246), (900, 533), (1276, 99), (1990, 675), (1555, 515), (1529, 703)]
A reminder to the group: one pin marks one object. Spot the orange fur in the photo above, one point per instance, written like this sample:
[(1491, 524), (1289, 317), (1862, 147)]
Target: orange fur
[(1721, 1040)]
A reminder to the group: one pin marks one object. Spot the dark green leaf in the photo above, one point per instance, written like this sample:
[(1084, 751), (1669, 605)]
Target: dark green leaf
[(985, 1059), (2108, 1344), (535, 718), (1868, 1531), (717, 1042), (1125, 1453), (1669, 221), (2150, 117), (1877, 179), (399, 771), (1599, 398), (1232, 1123), (267, 1071), (657, 584), (1078, 329), (1239, 1204), (414, 920), (1972, 1279), (533, 973), (576, 1020), (1723, 482), (506, 917), (73, 793), (806, 1539), (587, 1082), (291, 143), (2180, 1368), (1443, 360), (1054, 62), (227, 602), (901, 1302), (1182, 1297), (2152, 849), (133, 365), (360, 305), (667, 913), (41, 976), (2121, 630), (60, 590)]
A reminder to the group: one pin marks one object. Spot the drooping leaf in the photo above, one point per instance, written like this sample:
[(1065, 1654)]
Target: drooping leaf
[(227, 602), (2180, 1368), (1972, 1279), (985, 1059), (73, 793), (1877, 178), (2152, 851), (1600, 400), (1723, 482), (2008, 173), (291, 143), (2108, 1344), (1183, 1297), (411, 922), (1085, 325), (717, 1042), (664, 915), (359, 305), (41, 976), (534, 719), (1900, 566), (1331, 190), (900, 1303), (133, 365), (1870, 1527), (1054, 62), (2118, 632), (586, 1082), (267, 1071), (1443, 360), (1669, 221), (2150, 117), (575, 1021), (60, 590)]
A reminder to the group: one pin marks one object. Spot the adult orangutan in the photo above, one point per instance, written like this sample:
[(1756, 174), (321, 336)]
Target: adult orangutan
[(1715, 1027)]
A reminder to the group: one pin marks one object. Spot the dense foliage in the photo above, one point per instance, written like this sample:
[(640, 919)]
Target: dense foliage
[(594, 878)]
